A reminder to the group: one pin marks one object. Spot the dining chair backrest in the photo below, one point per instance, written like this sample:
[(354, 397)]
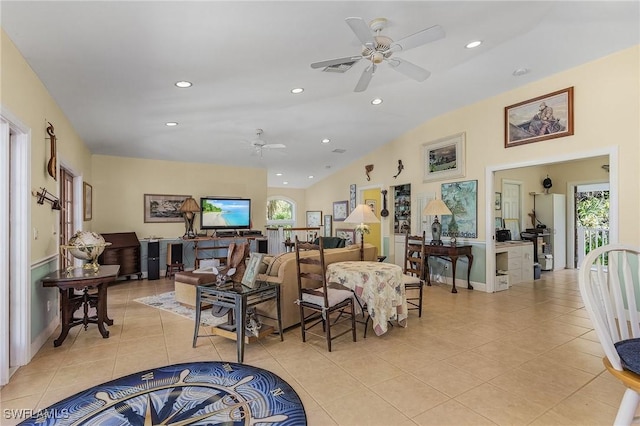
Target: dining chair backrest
[(609, 280), (414, 255), (311, 268)]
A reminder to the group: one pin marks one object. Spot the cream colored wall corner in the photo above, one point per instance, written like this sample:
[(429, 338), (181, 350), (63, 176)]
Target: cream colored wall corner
[(25, 97), (119, 185), (606, 93)]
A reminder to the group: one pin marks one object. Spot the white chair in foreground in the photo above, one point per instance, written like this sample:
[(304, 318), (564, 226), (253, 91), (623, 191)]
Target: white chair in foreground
[(608, 281)]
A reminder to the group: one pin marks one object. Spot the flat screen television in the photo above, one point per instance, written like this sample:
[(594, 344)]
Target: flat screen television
[(225, 213)]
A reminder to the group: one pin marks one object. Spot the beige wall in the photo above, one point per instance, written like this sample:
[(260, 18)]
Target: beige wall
[(606, 94), (119, 185), (24, 96)]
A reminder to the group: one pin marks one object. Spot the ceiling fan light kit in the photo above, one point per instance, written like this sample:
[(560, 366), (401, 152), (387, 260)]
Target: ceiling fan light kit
[(378, 48)]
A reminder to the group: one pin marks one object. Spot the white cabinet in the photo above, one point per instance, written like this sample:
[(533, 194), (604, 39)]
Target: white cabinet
[(398, 244), (515, 258), (551, 210)]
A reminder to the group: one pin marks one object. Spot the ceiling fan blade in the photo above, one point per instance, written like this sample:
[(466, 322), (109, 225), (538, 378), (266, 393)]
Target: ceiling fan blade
[(362, 31), (418, 39), (274, 146), (337, 61), (409, 69), (365, 78)]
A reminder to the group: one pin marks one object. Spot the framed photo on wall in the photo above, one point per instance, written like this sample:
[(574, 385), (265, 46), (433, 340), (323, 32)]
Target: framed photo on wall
[(545, 117), (348, 234), (163, 208), (87, 204), (340, 210), (444, 158), (328, 228), (314, 219), (352, 197)]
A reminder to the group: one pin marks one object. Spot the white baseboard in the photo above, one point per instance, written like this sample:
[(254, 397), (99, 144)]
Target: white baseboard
[(462, 284)]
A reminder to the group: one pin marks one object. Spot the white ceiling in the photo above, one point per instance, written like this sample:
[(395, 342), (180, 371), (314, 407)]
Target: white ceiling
[(111, 66)]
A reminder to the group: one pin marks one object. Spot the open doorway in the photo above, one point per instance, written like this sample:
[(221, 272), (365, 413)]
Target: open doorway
[(566, 172)]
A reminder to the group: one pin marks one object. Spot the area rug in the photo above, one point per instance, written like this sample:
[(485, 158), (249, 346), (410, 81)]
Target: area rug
[(198, 393), (167, 302)]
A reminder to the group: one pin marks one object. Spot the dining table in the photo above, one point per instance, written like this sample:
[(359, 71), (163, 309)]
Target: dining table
[(379, 285)]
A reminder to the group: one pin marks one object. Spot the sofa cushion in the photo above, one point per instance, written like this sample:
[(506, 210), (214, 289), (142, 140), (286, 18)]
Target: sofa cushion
[(331, 242)]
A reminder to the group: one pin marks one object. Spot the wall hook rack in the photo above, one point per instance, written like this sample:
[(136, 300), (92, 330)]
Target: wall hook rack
[(44, 195)]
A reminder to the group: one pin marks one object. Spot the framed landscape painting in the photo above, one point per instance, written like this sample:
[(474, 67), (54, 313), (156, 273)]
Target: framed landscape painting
[(443, 158), (163, 208), (545, 117)]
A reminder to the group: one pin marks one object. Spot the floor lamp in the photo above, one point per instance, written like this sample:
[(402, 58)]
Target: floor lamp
[(362, 215), (436, 208), (189, 210)]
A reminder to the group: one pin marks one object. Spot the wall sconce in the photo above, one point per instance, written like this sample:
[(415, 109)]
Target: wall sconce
[(44, 195)]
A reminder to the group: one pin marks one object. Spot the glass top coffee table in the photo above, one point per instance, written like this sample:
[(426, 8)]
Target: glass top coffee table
[(239, 298)]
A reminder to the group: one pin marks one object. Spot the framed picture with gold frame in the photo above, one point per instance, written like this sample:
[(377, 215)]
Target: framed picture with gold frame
[(87, 201), (544, 117)]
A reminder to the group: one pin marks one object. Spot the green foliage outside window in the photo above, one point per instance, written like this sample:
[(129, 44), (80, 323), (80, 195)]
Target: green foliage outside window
[(279, 210)]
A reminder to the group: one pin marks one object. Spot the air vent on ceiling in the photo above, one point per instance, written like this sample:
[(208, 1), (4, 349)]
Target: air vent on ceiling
[(339, 151), (341, 68)]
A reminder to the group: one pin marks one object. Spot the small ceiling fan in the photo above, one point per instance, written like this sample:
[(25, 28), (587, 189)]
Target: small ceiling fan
[(378, 48), (259, 144)]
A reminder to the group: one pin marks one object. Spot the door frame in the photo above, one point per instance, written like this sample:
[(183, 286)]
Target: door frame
[(15, 272), (571, 217), (490, 246), (360, 200)]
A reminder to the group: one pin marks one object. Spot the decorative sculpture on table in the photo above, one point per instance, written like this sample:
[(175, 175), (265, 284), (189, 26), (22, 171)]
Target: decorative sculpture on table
[(86, 245)]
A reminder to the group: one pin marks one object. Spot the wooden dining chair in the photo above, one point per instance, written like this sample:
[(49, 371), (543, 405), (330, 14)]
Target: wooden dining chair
[(414, 270), (609, 280), (320, 304)]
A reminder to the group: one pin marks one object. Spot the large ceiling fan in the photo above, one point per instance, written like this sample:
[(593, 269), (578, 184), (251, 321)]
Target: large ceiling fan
[(378, 48), (259, 144)]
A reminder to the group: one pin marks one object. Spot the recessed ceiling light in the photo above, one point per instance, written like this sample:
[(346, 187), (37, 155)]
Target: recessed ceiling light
[(521, 71), (473, 44), (285, 183), (326, 140), (278, 174), (171, 124), (310, 176), (183, 84), (297, 90), (376, 101)]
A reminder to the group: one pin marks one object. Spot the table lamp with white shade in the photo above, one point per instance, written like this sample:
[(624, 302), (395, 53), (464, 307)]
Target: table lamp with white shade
[(436, 208), (362, 215)]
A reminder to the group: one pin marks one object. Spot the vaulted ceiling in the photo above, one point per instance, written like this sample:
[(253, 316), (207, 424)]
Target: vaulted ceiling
[(112, 68)]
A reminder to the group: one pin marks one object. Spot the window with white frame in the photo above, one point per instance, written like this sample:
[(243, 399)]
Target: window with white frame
[(281, 211)]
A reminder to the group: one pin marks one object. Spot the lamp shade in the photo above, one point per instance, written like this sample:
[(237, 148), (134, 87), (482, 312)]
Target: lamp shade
[(190, 206), (436, 208), (362, 214)]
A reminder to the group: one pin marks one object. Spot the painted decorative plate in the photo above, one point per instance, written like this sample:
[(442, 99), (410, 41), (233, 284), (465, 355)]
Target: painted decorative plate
[(202, 393)]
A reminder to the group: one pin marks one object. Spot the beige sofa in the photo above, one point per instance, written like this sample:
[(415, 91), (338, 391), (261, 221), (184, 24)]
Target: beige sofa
[(282, 270)]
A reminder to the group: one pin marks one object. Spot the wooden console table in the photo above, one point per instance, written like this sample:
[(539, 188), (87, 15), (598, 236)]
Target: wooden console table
[(211, 246), (82, 279), (450, 253)]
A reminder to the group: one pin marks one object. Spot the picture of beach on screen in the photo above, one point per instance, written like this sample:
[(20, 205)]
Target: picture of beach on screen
[(220, 213)]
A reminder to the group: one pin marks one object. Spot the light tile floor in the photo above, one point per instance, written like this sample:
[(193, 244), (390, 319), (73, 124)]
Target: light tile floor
[(523, 356)]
